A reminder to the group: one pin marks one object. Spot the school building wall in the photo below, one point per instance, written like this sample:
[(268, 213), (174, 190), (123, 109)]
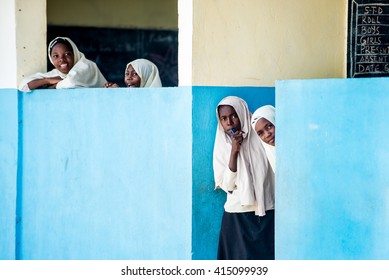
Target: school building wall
[(145, 14), (8, 170), (301, 190), (234, 42), (226, 42), (332, 181), (78, 180), (7, 28), (111, 173), (254, 42)]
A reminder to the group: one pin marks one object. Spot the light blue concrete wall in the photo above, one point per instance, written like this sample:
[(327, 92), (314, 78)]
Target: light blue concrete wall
[(107, 174), (92, 187), (332, 169), (8, 170), (208, 203), (112, 174)]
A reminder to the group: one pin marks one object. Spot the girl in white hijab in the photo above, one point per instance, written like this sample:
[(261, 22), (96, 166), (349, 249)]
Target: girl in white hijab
[(72, 69), (242, 171), (139, 73), (263, 123)]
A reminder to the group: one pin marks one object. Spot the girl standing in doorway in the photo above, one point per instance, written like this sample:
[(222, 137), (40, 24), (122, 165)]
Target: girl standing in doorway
[(241, 169)]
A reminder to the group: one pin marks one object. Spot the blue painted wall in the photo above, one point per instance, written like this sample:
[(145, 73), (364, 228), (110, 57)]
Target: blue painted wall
[(112, 174), (92, 187), (8, 170), (332, 169), (208, 203), (107, 174)]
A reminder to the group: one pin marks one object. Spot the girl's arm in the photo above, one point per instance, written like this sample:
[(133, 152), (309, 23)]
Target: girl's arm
[(229, 177), (48, 82), (236, 141)]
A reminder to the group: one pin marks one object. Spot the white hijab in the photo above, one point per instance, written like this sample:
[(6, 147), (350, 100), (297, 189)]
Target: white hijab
[(267, 112), (84, 73), (147, 71), (253, 183)]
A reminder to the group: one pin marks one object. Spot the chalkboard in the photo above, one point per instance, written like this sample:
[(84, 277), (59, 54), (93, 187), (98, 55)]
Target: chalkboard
[(113, 48), (368, 38)]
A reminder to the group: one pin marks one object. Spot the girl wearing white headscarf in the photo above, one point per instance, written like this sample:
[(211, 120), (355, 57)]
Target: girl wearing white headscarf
[(147, 71), (267, 113), (139, 73), (242, 171), (84, 73)]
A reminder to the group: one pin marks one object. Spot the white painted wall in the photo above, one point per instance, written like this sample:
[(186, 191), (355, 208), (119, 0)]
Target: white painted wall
[(8, 44), (185, 23), (23, 40)]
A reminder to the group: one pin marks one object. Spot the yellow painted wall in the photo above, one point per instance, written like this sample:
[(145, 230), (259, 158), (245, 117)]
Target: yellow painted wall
[(144, 14), (255, 42)]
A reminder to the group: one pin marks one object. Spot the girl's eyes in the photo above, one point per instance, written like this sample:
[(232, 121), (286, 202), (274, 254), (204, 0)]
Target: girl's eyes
[(267, 128), (56, 56), (233, 117)]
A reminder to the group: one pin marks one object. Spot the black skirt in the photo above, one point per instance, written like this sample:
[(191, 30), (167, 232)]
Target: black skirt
[(245, 236)]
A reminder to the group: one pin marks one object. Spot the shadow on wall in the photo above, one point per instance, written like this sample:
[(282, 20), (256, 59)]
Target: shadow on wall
[(113, 48)]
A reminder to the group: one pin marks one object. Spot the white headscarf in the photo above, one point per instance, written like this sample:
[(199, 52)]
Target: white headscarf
[(267, 112), (253, 183), (84, 72), (147, 71)]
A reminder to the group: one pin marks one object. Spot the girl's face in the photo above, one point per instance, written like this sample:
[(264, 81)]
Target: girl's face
[(266, 131), (62, 58), (131, 78), (229, 119)]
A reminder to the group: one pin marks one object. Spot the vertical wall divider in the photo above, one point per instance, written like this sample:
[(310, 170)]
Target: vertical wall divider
[(19, 181)]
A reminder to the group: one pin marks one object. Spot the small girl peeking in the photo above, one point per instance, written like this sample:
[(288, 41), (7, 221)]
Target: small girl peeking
[(241, 169), (72, 69), (139, 73), (263, 123)]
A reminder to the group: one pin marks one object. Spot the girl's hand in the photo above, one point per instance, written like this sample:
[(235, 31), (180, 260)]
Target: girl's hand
[(52, 82), (111, 85), (236, 139)]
